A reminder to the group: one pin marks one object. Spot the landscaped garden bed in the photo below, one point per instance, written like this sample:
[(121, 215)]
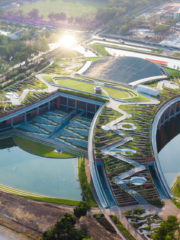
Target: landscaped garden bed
[(143, 221)]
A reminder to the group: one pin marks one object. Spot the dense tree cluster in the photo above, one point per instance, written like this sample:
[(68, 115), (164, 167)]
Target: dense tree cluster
[(120, 15), (81, 209), (167, 229), (162, 28), (13, 51), (65, 228)]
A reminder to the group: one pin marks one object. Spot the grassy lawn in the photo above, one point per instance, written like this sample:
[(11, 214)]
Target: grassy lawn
[(48, 79), (153, 84), (85, 186), (173, 72), (55, 200), (70, 7), (100, 49), (93, 59), (39, 149), (38, 197), (140, 98), (88, 87), (75, 84), (176, 188), (116, 93), (128, 127), (177, 203)]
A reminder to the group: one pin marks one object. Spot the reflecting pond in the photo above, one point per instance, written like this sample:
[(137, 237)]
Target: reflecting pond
[(46, 176), (169, 158)]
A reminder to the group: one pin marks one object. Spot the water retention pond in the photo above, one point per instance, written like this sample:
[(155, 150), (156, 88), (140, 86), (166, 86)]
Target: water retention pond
[(52, 177), (169, 154)]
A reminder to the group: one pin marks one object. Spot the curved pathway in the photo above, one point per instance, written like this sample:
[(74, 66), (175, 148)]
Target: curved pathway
[(113, 151), (49, 89)]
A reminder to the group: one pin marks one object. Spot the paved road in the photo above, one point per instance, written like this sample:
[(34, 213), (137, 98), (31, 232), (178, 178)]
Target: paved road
[(172, 63), (116, 43)]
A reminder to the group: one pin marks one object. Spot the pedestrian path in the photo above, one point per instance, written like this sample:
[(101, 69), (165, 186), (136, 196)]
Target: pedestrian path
[(113, 151)]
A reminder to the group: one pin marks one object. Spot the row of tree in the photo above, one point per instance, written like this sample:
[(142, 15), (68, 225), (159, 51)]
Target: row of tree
[(53, 18), (120, 15), (16, 51)]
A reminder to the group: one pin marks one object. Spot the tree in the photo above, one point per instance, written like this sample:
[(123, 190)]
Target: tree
[(87, 239), (81, 209), (167, 229), (64, 229), (34, 14), (161, 29)]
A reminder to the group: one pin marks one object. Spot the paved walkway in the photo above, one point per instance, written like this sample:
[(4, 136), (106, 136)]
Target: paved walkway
[(149, 79), (117, 211), (85, 67), (169, 209), (50, 88), (168, 84)]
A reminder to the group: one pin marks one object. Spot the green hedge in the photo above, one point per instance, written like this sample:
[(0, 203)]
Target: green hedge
[(123, 230), (54, 200), (84, 95), (173, 72), (86, 188)]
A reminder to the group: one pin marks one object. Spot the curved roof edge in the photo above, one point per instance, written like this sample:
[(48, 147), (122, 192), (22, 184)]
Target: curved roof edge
[(154, 144)]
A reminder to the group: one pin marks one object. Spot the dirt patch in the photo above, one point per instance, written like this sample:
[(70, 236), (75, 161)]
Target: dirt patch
[(169, 209), (96, 231), (88, 174), (7, 234), (32, 218), (29, 217)]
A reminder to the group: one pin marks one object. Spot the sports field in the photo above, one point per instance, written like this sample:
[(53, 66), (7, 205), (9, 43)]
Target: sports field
[(70, 7)]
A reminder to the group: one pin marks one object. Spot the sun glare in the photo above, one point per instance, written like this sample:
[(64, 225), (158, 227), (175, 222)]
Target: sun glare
[(68, 41)]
